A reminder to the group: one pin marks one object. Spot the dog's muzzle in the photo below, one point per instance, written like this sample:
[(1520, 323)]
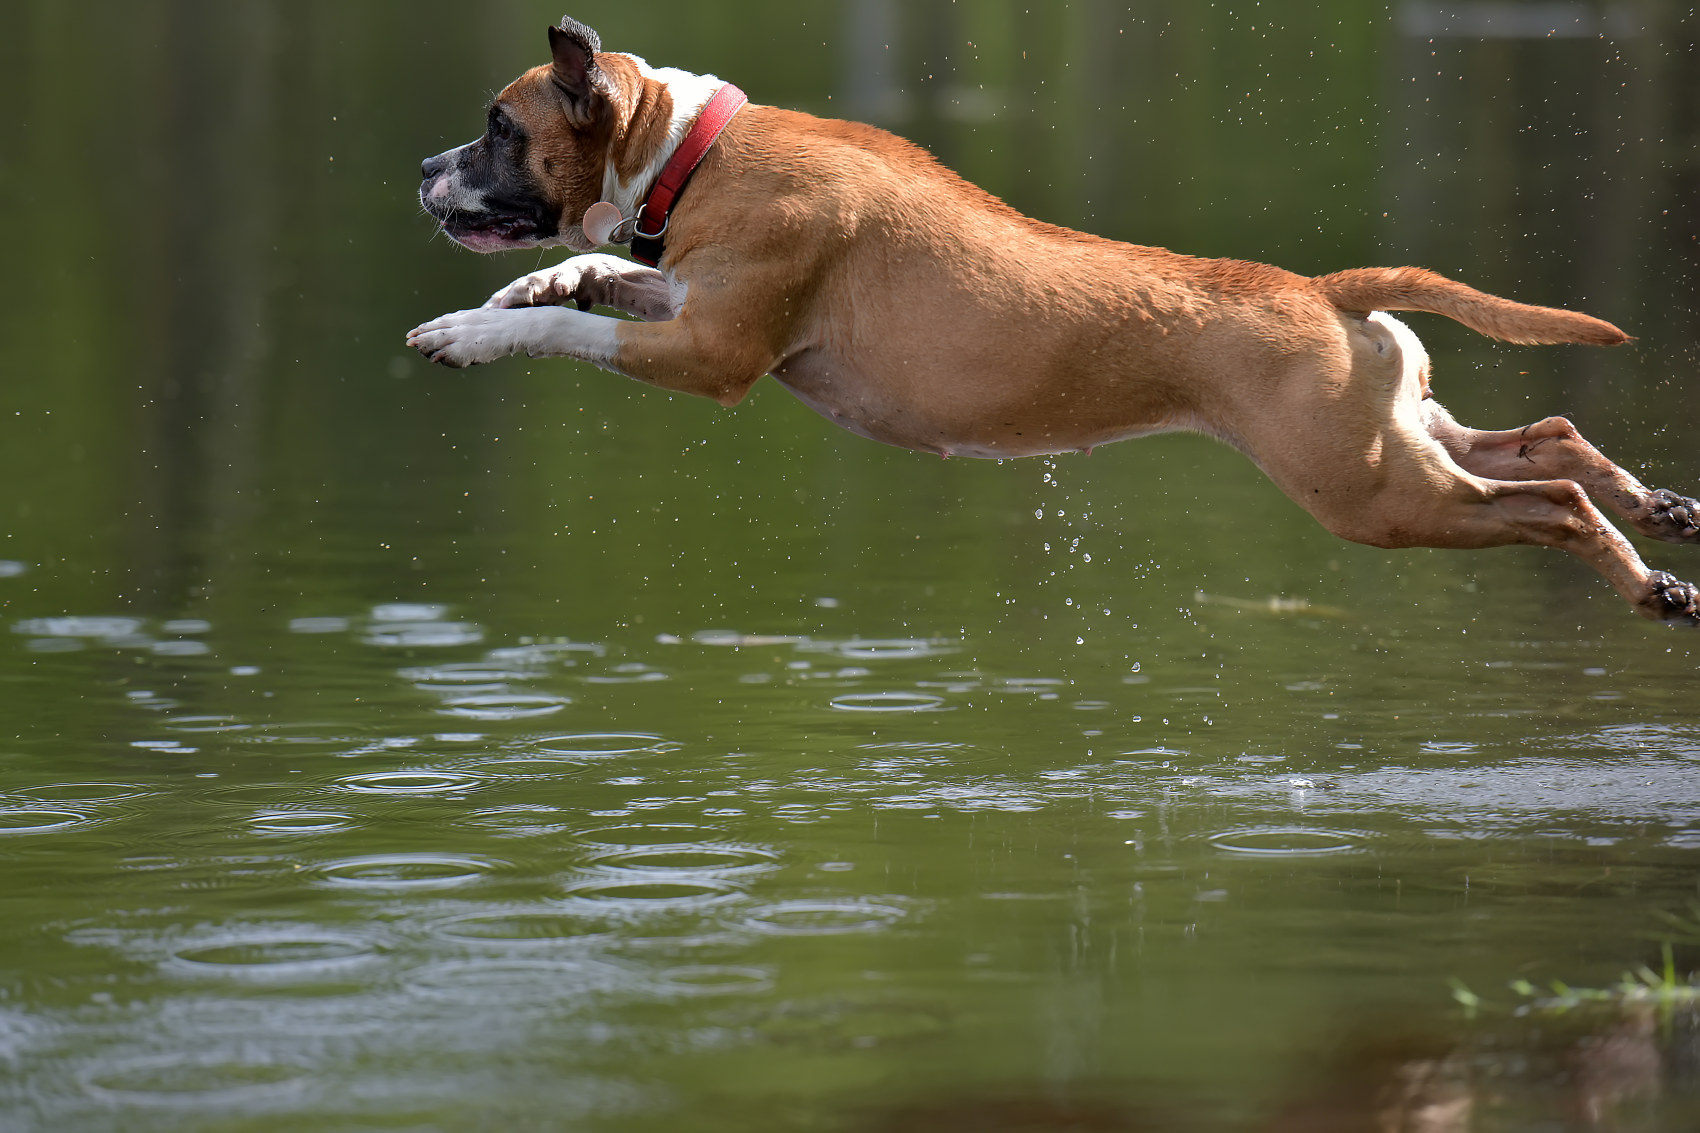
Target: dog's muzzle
[(434, 186)]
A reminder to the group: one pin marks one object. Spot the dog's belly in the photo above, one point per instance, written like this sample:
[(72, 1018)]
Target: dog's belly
[(949, 413)]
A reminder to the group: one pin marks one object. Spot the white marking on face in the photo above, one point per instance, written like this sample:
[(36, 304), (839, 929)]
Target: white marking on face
[(690, 94)]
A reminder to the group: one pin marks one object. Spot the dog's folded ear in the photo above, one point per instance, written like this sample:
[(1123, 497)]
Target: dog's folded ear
[(575, 72)]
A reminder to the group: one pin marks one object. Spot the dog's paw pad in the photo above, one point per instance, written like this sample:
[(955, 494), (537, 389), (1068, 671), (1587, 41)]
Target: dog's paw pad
[(1674, 600), (1673, 517)]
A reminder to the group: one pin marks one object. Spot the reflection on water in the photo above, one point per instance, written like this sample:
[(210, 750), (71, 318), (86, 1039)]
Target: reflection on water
[(388, 748)]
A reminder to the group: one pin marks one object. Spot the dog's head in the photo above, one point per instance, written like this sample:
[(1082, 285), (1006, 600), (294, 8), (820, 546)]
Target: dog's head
[(527, 182)]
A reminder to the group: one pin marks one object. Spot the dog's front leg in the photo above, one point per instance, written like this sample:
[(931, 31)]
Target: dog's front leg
[(707, 357), (594, 280), (466, 338)]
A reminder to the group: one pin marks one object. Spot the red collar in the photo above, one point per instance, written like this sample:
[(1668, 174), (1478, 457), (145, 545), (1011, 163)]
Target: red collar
[(653, 217)]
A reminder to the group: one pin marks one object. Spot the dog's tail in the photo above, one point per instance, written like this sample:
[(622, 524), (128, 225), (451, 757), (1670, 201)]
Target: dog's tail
[(1417, 289)]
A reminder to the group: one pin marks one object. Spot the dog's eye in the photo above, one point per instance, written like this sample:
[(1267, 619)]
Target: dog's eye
[(500, 128)]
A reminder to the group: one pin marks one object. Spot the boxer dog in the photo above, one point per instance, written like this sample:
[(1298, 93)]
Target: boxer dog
[(911, 307)]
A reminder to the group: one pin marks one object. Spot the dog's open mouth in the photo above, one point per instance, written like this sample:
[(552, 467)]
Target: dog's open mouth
[(493, 233), (488, 229)]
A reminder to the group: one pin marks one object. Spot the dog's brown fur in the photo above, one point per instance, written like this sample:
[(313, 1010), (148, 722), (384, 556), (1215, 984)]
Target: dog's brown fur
[(914, 308)]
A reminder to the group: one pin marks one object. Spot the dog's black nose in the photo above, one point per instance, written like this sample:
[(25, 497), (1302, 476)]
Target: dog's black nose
[(432, 166)]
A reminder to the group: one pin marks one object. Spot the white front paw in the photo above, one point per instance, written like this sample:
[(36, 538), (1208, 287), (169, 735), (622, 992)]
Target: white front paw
[(574, 280), (467, 338), (549, 287)]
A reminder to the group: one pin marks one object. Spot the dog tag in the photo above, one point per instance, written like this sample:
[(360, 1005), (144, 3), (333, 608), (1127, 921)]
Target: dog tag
[(600, 220)]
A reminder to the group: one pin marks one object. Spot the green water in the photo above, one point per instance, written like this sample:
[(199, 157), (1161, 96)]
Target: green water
[(389, 748)]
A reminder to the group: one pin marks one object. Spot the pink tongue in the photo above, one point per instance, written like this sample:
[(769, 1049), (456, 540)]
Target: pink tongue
[(600, 220)]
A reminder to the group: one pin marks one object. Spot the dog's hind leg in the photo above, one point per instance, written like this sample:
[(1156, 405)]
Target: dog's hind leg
[(1473, 513), (1553, 449), (1558, 513), (1413, 494)]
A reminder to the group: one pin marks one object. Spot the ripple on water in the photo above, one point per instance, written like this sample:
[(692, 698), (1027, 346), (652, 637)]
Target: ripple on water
[(503, 706), (1042, 687), (199, 724), (409, 612), (41, 820), (523, 767), (406, 871), (409, 783), (519, 821), (732, 639), (1287, 841), (273, 953), (107, 628), (266, 796), (92, 792), (190, 1080), (422, 634), (597, 745), (460, 674), (913, 757), (713, 859), (653, 835), (304, 737), (1152, 754), (525, 982), (893, 701), (823, 918), (318, 625), (544, 653), (181, 648), (895, 648), (55, 645), (522, 928), (691, 980), (638, 893), (301, 822), (630, 673)]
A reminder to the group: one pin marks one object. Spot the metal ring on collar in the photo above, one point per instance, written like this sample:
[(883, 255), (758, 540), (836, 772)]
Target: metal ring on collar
[(640, 234)]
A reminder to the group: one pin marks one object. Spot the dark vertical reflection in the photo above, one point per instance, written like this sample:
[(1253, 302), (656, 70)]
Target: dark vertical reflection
[(205, 288), (870, 31)]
